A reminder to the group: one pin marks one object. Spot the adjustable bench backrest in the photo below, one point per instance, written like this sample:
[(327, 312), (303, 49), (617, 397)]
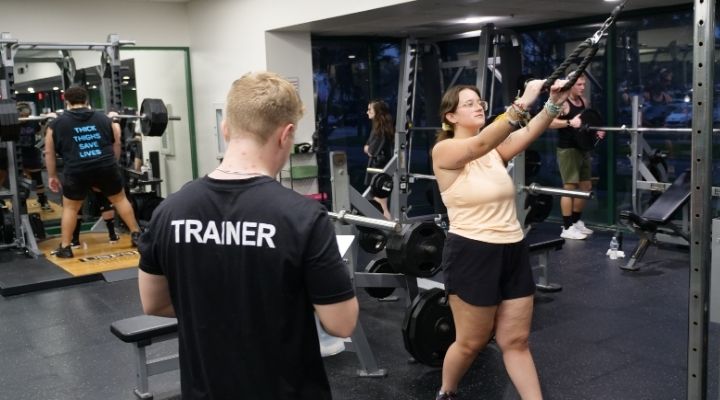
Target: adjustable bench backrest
[(670, 201)]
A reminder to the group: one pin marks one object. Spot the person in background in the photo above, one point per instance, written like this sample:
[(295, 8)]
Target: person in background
[(89, 143), (31, 156), (245, 263), (379, 146), (485, 260), (573, 161)]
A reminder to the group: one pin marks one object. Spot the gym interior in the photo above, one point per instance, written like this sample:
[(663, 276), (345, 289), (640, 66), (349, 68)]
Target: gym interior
[(637, 319)]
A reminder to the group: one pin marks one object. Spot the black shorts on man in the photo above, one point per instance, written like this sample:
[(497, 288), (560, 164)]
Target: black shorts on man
[(107, 179)]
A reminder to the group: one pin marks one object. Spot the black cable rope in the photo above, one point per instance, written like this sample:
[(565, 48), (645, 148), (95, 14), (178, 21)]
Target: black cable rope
[(592, 43)]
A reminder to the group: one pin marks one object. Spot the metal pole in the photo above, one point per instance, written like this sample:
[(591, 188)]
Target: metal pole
[(700, 197), (483, 50), (634, 151)]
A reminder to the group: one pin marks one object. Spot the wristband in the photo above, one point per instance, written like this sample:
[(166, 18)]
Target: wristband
[(553, 109)]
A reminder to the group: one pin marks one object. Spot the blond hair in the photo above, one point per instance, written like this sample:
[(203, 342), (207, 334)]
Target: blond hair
[(260, 102)]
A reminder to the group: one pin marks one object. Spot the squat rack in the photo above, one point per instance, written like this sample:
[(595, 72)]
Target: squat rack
[(112, 89)]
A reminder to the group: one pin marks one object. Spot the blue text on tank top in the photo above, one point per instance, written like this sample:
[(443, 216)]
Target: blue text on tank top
[(87, 139)]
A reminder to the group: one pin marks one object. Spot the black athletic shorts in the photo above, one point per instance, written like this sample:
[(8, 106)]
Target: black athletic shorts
[(485, 274), (31, 157), (107, 179)]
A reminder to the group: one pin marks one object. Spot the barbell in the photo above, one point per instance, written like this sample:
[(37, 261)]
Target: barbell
[(153, 118), (537, 189)]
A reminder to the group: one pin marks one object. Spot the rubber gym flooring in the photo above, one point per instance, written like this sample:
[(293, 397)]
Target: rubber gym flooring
[(609, 334)]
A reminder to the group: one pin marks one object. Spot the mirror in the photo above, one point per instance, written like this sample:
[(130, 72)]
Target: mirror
[(40, 77)]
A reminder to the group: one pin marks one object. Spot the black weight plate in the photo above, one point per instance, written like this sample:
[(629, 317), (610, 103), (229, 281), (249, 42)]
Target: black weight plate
[(155, 118), (380, 266), (417, 251), (381, 185), (539, 208), (371, 240), (428, 328)]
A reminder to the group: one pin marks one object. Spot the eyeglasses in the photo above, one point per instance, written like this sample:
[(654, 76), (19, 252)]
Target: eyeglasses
[(473, 103)]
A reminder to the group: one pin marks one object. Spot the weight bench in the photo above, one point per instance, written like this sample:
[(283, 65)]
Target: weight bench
[(141, 332), (657, 216), (542, 251)]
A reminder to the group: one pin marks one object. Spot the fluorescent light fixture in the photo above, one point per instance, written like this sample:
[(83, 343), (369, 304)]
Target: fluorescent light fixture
[(93, 87), (351, 56), (16, 92), (87, 83), (56, 88), (31, 90), (126, 78), (476, 20), (133, 89)]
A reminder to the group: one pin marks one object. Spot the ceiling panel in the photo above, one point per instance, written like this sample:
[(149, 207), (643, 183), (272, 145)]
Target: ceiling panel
[(437, 17)]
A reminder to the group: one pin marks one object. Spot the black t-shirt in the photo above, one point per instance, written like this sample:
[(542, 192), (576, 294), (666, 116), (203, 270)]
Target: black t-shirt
[(567, 136), (28, 129), (245, 261), (380, 149), (84, 139)]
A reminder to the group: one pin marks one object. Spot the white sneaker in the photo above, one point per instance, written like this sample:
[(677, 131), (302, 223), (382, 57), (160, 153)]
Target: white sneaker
[(572, 233), (580, 227)]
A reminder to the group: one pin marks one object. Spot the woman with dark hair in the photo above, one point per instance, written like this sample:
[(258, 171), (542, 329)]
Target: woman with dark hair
[(379, 146), (486, 264)]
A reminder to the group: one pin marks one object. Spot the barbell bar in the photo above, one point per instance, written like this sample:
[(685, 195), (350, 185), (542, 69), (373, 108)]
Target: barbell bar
[(153, 117), (535, 189), (344, 216), (43, 117), (624, 128)]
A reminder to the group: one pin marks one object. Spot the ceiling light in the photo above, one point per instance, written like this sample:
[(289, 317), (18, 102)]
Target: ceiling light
[(87, 83), (93, 87), (475, 20), (126, 78), (16, 92), (133, 89), (351, 56), (56, 88), (31, 90)]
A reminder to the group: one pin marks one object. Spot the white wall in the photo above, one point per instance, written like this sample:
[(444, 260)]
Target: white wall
[(148, 23), (229, 39), (175, 169)]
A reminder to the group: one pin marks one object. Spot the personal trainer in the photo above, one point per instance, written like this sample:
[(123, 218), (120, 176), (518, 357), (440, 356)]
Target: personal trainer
[(243, 262), (89, 143)]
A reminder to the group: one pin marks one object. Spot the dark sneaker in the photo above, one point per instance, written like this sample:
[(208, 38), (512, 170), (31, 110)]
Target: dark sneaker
[(63, 252), (75, 243), (113, 237), (446, 396), (134, 237)]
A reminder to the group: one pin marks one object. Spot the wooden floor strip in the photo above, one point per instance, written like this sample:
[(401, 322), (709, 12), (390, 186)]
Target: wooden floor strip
[(95, 255)]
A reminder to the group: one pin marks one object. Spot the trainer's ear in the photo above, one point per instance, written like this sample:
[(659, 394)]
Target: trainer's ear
[(287, 136), (224, 130)]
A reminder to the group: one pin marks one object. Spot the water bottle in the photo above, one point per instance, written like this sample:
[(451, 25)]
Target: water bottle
[(614, 245)]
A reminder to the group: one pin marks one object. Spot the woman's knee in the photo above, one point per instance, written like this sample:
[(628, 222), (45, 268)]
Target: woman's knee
[(471, 347), (514, 341)]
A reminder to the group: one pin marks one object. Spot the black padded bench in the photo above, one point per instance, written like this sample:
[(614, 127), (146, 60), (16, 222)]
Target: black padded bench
[(657, 216), (141, 332), (542, 251)]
